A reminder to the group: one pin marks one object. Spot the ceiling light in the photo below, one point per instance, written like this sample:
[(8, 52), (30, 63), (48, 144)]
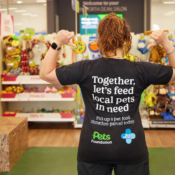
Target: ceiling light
[(44, 4), (169, 13), (169, 2), (18, 24), (40, 0), (26, 14), (19, 2), (12, 8), (20, 10), (34, 15)]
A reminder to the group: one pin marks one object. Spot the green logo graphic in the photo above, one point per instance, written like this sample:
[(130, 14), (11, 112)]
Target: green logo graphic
[(99, 136)]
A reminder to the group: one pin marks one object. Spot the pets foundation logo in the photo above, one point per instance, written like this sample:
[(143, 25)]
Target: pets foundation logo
[(102, 138)]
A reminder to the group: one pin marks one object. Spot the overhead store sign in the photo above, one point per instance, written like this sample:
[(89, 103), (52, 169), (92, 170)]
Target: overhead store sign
[(6, 24), (104, 6), (128, 8)]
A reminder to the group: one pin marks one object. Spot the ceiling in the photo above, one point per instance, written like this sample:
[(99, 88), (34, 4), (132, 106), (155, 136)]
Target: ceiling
[(161, 1), (3, 2), (34, 1)]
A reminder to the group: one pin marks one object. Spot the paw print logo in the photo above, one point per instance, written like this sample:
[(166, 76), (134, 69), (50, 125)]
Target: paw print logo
[(128, 136)]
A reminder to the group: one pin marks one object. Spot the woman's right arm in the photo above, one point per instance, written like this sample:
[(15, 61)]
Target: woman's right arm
[(160, 38)]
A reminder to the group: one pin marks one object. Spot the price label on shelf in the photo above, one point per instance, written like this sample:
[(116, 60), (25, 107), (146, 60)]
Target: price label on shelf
[(35, 78), (33, 95), (41, 115), (34, 115)]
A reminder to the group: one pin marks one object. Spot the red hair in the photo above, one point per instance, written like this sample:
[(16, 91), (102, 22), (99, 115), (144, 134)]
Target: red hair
[(114, 33)]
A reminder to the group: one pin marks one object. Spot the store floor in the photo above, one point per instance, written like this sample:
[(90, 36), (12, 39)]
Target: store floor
[(62, 161), (64, 135), (56, 151)]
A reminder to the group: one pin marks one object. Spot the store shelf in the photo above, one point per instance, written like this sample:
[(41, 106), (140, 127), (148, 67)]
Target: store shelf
[(33, 79), (162, 126), (44, 117), (50, 120), (37, 97), (77, 125), (145, 123), (162, 123)]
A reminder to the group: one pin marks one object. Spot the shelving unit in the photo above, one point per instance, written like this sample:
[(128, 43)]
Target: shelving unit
[(35, 97), (162, 123), (31, 102), (44, 117), (162, 126)]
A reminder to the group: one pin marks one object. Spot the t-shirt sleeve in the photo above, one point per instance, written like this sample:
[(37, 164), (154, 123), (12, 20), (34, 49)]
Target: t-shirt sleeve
[(156, 74), (70, 74)]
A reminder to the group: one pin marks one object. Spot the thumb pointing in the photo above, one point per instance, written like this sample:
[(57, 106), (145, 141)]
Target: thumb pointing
[(151, 45), (71, 44)]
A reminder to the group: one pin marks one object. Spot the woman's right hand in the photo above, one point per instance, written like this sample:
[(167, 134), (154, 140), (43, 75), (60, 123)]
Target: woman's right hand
[(159, 37)]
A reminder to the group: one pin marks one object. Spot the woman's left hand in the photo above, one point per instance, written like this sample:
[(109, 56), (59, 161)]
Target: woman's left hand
[(64, 37)]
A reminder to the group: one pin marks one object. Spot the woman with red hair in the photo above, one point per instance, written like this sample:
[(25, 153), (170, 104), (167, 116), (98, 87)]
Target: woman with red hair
[(112, 136)]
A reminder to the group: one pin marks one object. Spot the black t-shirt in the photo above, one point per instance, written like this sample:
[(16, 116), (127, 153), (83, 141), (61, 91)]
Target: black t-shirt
[(112, 130)]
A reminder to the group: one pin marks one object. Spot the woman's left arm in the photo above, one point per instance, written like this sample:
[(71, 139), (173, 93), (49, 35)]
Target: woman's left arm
[(47, 71)]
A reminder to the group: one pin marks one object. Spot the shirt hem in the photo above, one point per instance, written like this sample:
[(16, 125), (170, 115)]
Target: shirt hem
[(118, 162)]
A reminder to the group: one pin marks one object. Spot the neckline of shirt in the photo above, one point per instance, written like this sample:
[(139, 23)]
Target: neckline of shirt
[(112, 60)]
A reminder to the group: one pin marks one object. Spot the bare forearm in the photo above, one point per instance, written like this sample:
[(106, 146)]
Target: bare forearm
[(48, 67), (168, 49), (49, 62)]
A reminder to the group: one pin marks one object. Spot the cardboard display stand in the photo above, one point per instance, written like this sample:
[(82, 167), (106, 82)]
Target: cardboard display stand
[(14, 141), (9, 148)]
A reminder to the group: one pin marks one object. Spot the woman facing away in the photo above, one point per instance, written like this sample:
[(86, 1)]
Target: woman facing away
[(112, 135)]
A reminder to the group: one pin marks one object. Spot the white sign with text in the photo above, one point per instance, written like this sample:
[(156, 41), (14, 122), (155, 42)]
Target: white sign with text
[(6, 24)]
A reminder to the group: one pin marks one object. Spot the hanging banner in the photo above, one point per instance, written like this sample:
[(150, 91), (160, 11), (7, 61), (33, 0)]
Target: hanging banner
[(6, 24), (73, 4), (77, 6)]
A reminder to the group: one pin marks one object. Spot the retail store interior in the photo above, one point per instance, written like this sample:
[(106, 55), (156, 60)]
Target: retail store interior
[(41, 122)]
